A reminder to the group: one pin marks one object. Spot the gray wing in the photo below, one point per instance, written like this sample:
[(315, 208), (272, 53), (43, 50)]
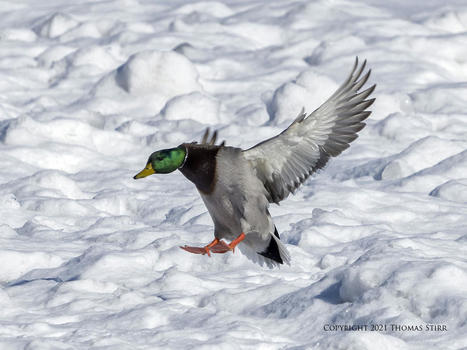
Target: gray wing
[(285, 161), (205, 140)]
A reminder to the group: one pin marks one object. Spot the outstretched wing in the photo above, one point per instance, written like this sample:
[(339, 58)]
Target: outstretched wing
[(285, 161), (212, 141)]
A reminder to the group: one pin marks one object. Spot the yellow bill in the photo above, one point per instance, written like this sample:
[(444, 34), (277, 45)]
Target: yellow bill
[(145, 172)]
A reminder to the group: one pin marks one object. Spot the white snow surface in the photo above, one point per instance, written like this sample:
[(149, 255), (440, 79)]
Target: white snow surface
[(90, 258)]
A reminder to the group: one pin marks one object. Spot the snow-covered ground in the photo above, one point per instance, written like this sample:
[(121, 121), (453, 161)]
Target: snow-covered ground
[(90, 258)]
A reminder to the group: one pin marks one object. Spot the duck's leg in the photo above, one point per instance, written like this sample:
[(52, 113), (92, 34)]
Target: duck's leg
[(204, 250), (222, 247), (216, 246)]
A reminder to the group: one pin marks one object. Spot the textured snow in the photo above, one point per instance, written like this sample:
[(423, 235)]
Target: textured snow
[(90, 258)]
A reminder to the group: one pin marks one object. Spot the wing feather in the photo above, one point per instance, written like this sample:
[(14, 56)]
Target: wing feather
[(212, 142), (285, 161)]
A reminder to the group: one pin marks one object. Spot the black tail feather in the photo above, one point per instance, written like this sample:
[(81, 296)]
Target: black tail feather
[(276, 233), (272, 251)]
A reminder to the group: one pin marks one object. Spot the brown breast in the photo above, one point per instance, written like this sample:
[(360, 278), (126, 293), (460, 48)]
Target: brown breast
[(200, 165)]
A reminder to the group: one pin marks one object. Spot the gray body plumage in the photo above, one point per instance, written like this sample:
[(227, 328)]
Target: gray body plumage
[(239, 204), (245, 182), (236, 200)]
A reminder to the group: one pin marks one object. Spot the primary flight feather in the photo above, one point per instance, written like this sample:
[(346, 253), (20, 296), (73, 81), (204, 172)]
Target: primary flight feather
[(237, 185)]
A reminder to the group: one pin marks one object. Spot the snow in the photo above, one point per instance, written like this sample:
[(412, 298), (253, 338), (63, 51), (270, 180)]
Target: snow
[(90, 258), (195, 106), (307, 90)]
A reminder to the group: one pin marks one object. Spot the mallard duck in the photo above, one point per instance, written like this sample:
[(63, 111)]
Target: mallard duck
[(238, 185)]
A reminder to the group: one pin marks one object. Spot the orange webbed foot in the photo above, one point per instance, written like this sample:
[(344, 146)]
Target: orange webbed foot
[(203, 250), (220, 248), (196, 250), (216, 246)]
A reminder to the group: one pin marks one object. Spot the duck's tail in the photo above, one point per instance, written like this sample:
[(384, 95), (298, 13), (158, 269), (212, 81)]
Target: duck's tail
[(274, 255), (276, 251)]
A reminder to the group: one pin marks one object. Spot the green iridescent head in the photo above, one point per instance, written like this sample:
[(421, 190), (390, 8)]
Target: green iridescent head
[(163, 162)]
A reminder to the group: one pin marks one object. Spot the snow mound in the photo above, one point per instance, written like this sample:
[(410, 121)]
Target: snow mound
[(428, 286), (28, 131), (390, 127), (5, 230), (18, 34), (413, 291), (364, 341), (453, 190), (15, 263), (56, 25), (196, 106), (308, 91), (212, 8), (259, 35), (357, 282), (92, 263), (412, 162), (127, 263), (420, 155), (57, 181), (54, 54), (144, 84), (443, 99), (167, 73), (426, 180), (448, 20), (96, 56), (83, 31)]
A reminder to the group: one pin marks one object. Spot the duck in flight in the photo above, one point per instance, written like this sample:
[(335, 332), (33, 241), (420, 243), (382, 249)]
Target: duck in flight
[(238, 185)]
